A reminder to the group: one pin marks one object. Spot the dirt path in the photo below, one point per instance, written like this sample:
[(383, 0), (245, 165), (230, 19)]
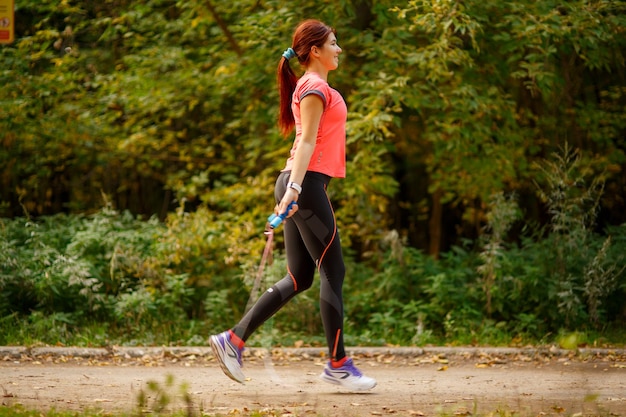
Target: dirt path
[(286, 384)]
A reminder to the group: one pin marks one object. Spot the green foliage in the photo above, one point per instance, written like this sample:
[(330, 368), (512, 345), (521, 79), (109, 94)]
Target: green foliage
[(160, 102), (157, 398), (565, 277), (113, 278), (168, 108), (503, 213), (67, 272), (585, 268)]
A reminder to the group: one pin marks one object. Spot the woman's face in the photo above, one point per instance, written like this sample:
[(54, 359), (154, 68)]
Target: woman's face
[(329, 53)]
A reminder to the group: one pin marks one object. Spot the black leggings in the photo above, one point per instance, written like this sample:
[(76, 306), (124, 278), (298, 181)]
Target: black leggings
[(311, 242)]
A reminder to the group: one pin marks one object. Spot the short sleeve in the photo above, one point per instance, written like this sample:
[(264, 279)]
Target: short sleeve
[(313, 85), (317, 93)]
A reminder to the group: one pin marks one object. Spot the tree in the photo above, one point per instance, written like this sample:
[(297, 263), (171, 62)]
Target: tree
[(165, 102)]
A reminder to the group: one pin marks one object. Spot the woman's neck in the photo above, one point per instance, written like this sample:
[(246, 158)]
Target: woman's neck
[(320, 70)]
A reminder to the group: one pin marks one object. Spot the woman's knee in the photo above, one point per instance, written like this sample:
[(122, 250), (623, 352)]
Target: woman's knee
[(302, 280), (334, 271)]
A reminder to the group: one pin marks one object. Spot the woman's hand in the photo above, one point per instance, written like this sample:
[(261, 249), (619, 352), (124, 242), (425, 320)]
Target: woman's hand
[(281, 207)]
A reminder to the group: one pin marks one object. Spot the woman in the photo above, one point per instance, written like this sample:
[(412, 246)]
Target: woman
[(318, 114)]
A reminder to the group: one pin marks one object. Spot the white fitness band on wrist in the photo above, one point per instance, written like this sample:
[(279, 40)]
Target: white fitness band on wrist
[(295, 186)]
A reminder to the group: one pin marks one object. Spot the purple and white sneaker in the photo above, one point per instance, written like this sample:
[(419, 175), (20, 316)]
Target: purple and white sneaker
[(228, 356), (347, 376)]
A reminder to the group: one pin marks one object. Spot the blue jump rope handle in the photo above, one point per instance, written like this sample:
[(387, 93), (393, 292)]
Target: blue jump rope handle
[(276, 219)]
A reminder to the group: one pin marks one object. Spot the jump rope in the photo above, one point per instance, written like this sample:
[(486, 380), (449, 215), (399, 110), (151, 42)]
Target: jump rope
[(273, 221)]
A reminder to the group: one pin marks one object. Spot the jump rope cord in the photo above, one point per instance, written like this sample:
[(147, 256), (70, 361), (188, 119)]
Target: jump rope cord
[(267, 255)]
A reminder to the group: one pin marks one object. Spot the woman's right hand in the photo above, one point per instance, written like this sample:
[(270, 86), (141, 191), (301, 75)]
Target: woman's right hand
[(290, 196)]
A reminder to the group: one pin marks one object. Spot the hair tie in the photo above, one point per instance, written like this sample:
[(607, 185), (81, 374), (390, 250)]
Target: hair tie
[(289, 53)]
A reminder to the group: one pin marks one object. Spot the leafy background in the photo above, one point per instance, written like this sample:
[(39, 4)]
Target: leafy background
[(484, 201)]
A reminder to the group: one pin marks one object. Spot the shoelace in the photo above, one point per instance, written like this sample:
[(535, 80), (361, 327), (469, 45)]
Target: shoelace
[(349, 366)]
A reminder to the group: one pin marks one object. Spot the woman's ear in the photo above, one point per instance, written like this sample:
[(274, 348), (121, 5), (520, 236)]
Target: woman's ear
[(315, 51)]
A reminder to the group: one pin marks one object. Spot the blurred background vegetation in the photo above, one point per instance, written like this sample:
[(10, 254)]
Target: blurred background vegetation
[(485, 197)]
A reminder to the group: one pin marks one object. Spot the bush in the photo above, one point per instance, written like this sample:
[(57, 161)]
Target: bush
[(113, 278)]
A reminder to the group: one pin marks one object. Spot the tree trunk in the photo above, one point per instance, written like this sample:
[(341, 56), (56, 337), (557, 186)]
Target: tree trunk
[(434, 225)]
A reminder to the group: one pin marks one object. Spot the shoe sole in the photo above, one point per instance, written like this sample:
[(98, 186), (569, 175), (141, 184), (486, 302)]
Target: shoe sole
[(219, 353)]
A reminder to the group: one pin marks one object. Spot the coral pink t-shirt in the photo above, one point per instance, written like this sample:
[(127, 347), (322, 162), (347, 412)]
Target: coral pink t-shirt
[(329, 156)]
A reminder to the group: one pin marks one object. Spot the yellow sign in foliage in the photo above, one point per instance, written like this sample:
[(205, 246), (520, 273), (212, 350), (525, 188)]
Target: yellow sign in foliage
[(7, 21)]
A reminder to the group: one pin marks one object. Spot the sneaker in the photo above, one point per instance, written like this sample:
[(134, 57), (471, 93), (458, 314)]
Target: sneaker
[(228, 356), (347, 376)]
